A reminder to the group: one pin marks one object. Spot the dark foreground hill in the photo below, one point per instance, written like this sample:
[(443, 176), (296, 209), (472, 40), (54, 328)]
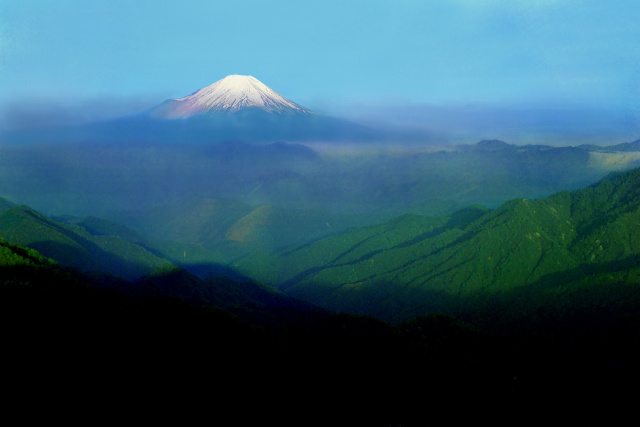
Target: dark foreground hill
[(82, 347)]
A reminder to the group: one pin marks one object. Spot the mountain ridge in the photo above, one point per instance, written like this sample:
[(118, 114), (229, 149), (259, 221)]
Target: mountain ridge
[(416, 264), (74, 246)]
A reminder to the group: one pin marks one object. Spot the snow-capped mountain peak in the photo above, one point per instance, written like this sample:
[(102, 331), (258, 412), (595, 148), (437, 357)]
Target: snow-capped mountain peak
[(232, 94)]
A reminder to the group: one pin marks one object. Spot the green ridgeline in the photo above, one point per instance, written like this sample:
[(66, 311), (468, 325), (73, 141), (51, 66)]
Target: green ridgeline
[(473, 260), (78, 245)]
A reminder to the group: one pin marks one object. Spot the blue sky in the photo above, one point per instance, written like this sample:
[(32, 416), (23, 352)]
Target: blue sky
[(327, 55)]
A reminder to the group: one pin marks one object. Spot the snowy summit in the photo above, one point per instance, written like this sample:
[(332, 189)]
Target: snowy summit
[(232, 94)]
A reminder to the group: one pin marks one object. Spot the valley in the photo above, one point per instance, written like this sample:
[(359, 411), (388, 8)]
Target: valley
[(466, 263)]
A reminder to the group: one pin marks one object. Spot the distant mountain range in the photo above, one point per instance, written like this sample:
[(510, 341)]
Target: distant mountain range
[(102, 179)]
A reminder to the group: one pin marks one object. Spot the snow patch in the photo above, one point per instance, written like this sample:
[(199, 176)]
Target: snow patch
[(231, 94)]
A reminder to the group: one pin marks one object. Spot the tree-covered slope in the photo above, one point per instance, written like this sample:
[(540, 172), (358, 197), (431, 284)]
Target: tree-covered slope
[(415, 264), (16, 255), (75, 246), (197, 230)]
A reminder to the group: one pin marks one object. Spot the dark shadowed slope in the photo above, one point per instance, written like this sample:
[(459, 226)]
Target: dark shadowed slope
[(150, 343), (157, 350)]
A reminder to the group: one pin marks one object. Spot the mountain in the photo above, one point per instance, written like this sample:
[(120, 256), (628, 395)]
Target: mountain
[(26, 267), (230, 95), (630, 147), (74, 245), (570, 251), (242, 108), (236, 108)]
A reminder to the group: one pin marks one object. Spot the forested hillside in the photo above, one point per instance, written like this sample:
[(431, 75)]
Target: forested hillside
[(88, 247), (558, 250)]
